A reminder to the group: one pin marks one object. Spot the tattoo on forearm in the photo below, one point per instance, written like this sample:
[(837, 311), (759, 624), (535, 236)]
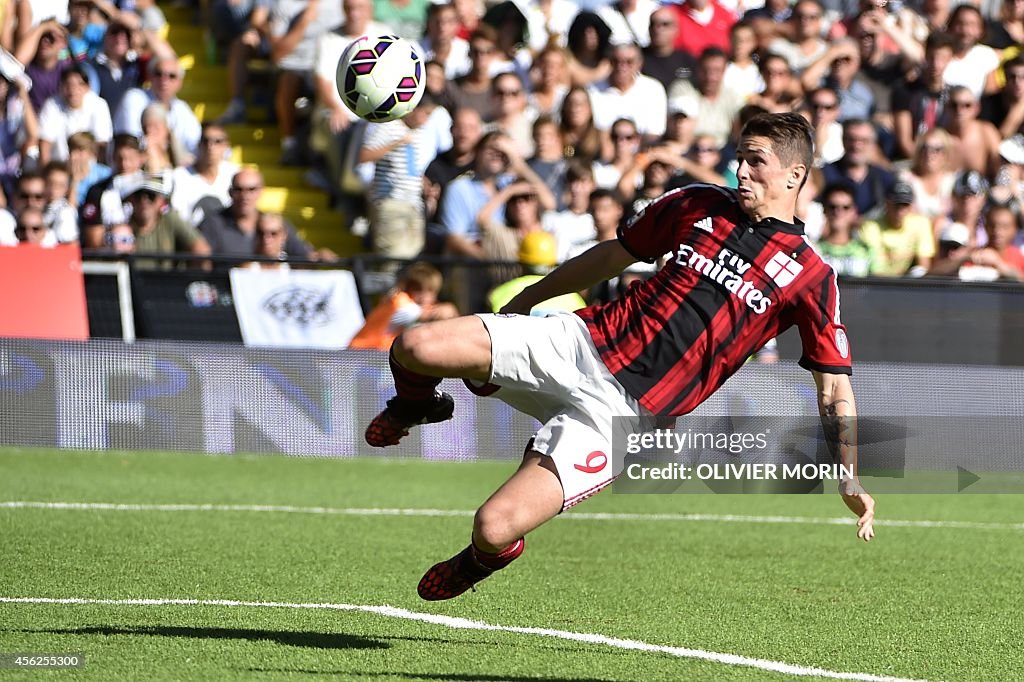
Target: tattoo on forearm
[(838, 429)]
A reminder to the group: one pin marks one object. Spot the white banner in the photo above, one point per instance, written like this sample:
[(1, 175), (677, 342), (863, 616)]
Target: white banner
[(296, 308)]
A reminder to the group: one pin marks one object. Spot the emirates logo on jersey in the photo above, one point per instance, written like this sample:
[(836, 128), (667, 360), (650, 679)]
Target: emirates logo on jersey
[(726, 270)]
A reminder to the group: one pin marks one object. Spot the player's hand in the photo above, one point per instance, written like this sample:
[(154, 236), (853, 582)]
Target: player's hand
[(862, 505), (516, 307)]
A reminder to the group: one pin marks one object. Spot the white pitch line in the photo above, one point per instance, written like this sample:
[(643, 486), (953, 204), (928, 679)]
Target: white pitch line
[(463, 513), (467, 624)]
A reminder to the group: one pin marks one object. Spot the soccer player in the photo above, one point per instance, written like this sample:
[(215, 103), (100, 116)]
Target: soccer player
[(739, 272)]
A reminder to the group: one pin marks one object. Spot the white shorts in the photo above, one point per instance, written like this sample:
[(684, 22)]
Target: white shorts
[(549, 368)]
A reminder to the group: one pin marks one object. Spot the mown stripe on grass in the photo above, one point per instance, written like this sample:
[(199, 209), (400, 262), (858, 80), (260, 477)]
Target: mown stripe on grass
[(464, 513), (467, 624)]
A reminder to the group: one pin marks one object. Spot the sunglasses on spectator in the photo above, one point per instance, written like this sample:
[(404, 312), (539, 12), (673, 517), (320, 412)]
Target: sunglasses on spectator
[(169, 75), (247, 189), (962, 104), (480, 51), (213, 140), (120, 239), (31, 195), (624, 136), (663, 23), (38, 227), (263, 234), (508, 93), (838, 207)]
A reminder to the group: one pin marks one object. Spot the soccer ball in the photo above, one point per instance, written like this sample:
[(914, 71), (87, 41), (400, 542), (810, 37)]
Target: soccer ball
[(381, 78)]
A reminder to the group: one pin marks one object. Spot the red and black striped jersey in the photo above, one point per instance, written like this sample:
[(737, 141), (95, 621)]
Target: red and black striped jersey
[(730, 284)]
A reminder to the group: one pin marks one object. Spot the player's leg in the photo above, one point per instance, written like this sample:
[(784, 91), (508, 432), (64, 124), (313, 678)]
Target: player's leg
[(420, 357), (530, 498)]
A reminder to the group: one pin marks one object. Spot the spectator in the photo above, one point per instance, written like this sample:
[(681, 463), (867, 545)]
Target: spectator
[(41, 50), (31, 13), (679, 128), (442, 43), (902, 241), (469, 13), (29, 192), (625, 147), (473, 90), (771, 12), (500, 241), (19, 131), (629, 20), (537, 255), (617, 97), (662, 61), (918, 105), (209, 176), (970, 193), (164, 152), (30, 228), (701, 163), (247, 32), (59, 215), (879, 69), (580, 137), (1006, 30), (574, 225), (295, 28), (552, 82), (931, 176), (412, 300), (839, 68), (977, 141), (271, 236), (467, 129), (807, 45), (120, 238), (548, 162), (782, 92), (75, 109), (702, 24), (166, 75), (1005, 109), (85, 37), (716, 104), (117, 68), (334, 132), (512, 114), (871, 183), (839, 246), (405, 18), (465, 197), (589, 43), (647, 179), (742, 73), (973, 65), (823, 104), (85, 170), (105, 203), (232, 230), (1000, 259), (401, 151), (156, 229)]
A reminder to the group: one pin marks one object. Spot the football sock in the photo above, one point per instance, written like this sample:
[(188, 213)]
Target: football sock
[(497, 560), (411, 385)]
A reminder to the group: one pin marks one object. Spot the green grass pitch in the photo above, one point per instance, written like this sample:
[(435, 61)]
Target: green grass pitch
[(929, 603)]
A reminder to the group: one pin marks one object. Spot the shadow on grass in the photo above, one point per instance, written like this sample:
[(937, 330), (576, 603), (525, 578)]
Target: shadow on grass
[(444, 677), (312, 640)]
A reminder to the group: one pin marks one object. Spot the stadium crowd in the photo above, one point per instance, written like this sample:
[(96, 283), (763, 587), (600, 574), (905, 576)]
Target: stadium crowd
[(546, 116)]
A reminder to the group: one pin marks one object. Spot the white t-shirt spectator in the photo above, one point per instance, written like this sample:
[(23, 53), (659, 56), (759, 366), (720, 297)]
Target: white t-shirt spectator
[(973, 69), (457, 64), (58, 121), (645, 103), (190, 187), (634, 27), (286, 12), (570, 230)]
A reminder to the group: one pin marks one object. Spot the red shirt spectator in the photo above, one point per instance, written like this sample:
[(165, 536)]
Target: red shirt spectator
[(702, 24)]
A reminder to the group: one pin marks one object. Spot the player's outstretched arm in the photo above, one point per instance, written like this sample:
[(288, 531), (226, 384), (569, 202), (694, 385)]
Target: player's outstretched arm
[(839, 419), (603, 260)]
